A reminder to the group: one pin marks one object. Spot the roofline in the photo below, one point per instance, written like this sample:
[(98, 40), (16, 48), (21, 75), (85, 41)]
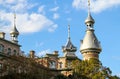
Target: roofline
[(10, 42)]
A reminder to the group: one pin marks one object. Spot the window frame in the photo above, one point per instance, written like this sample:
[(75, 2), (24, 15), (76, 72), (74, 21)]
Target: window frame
[(1, 48)]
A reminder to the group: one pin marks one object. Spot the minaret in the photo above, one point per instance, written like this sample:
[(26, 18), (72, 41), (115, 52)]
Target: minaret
[(14, 32), (90, 46), (69, 49)]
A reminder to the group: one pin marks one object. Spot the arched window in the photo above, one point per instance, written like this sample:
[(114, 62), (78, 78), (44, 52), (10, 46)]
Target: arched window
[(14, 52), (1, 48), (61, 64), (69, 64), (0, 66), (52, 64), (9, 51)]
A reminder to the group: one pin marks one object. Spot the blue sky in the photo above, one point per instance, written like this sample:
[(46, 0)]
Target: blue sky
[(43, 25)]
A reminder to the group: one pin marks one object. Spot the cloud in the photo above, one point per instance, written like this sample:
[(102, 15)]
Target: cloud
[(43, 53), (16, 5), (27, 22), (39, 44), (51, 29), (41, 9), (96, 5), (54, 9), (56, 16), (118, 75)]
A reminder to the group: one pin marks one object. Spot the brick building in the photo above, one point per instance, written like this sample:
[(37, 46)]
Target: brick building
[(50, 63)]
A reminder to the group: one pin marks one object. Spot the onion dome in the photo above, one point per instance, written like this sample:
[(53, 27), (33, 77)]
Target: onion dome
[(90, 41), (14, 31)]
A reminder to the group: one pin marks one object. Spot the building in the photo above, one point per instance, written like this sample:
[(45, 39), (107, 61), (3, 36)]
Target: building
[(52, 63), (90, 46), (10, 47), (59, 65), (13, 63)]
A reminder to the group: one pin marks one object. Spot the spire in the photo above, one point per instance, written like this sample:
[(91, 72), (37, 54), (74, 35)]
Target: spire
[(14, 20), (90, 46), (14, 29), (69, 47), (89, 20), (88, 6), (14, 32), (68, 31)]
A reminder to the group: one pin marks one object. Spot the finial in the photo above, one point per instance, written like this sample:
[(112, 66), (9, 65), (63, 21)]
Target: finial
[(14, 19), (68, 31), (88, 6)]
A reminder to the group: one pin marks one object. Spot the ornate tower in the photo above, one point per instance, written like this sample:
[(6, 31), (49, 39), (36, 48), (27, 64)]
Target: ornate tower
[(69, 55), (90, 46), (14, 32), (69, 49)]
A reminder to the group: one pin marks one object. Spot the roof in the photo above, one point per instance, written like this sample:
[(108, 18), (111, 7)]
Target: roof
[(69, 46), (14, 31), (90, 42), (10, 42), (89, 19)]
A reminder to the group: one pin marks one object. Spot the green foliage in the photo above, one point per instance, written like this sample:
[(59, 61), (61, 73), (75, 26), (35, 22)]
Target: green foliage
[(18, 67), (60, 76), (91, 69)]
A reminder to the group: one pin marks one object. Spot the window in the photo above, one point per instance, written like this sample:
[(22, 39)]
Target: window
[(9, 51), (69, 64), (0, 66), (1, 48), (60, 65), (14, 52), (52, 64)]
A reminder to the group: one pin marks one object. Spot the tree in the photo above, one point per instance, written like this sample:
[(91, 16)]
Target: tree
[(91, 69), (18, 67)]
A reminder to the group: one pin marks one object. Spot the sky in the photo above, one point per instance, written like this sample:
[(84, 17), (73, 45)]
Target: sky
[(43, 26)]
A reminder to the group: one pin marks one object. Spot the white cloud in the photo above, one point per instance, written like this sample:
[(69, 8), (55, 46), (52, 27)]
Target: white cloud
[(43, 53), (16, 5), (41, 9), (96, 5), (7, 1), (54, 9), (51, 29), (39, 44), (118, 75), (10, 1), (56, 16), (27, 23)]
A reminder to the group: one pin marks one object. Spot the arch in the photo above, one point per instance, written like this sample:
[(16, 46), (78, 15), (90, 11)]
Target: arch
[(14, 52), (1, 48), (60, 65), (52, 64), (9, 51), (1, 65)]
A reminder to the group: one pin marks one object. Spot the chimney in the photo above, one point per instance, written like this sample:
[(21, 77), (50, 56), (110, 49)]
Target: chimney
[(2, 35), (55, 52), (32, 54)]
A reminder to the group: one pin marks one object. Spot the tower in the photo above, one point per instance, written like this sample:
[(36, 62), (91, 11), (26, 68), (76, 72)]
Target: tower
[(90, 46), (14, 32), (69, 55), (69, 49)]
